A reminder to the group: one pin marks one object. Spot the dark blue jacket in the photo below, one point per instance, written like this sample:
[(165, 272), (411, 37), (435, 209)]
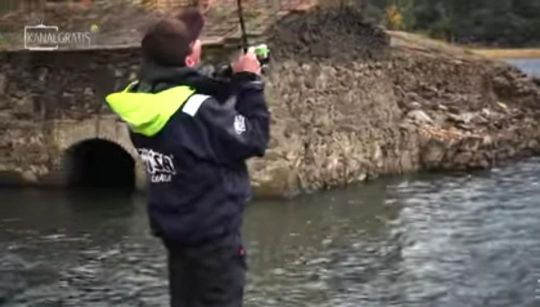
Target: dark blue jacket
[(194, 135)]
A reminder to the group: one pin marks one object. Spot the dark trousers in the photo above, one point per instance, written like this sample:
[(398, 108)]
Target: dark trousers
[(212, 275)]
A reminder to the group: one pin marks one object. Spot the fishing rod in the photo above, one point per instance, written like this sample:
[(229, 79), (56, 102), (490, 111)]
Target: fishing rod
[(242, 26), (261, 51)]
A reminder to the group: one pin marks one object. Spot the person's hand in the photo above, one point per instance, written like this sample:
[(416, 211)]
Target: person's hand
[(247, 63)]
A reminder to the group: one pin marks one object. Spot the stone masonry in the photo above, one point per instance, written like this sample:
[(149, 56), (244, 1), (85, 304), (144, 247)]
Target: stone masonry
[(343, 110), (50, 101)]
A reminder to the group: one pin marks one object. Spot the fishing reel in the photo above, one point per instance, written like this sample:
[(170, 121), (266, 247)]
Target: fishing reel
[(261, 51), (263, 55)]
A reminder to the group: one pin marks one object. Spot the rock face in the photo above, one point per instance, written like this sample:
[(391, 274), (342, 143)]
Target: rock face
[(348, 107), (483, 113), (349, 102)]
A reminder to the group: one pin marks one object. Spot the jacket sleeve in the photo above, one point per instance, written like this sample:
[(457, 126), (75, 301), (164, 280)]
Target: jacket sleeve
[(236, 132)]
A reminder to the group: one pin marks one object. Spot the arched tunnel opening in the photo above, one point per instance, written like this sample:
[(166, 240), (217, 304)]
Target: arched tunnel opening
[(99, 163)]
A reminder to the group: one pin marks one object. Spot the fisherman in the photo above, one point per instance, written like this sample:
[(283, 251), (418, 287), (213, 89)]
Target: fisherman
[(194, 143)]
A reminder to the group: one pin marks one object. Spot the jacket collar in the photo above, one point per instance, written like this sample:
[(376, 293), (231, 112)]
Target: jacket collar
[(155, 78)]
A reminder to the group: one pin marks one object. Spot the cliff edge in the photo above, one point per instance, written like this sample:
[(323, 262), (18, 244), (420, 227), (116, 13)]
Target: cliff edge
[(352, 102)]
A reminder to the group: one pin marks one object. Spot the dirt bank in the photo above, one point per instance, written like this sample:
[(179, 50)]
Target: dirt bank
[(351, 102)]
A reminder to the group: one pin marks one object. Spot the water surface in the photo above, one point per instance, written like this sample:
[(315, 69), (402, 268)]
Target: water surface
[(529, 66), (416, 241)]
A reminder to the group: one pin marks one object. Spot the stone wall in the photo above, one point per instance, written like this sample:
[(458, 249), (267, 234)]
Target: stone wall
[(46, 95), (66, 84), (334, 109), (347, 105), (50, 101)]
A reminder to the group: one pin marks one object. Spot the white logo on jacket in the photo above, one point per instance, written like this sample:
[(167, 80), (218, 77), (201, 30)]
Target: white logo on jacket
[(159, 166), (239, 124)]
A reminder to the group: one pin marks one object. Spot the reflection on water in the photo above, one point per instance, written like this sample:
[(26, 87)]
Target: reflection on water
[(417, 241)]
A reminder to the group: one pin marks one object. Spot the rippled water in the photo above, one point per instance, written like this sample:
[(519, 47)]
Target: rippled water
[(417, 241)]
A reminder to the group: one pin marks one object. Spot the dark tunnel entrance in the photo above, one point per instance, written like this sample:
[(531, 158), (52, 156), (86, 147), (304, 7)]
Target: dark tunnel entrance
[(99, 164)]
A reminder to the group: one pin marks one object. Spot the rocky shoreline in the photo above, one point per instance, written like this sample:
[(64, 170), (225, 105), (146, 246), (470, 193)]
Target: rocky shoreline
[(351, 102)]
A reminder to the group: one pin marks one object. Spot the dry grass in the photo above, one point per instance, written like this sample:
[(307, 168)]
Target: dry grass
[(419, 42), (508, 53), (422, 42)]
